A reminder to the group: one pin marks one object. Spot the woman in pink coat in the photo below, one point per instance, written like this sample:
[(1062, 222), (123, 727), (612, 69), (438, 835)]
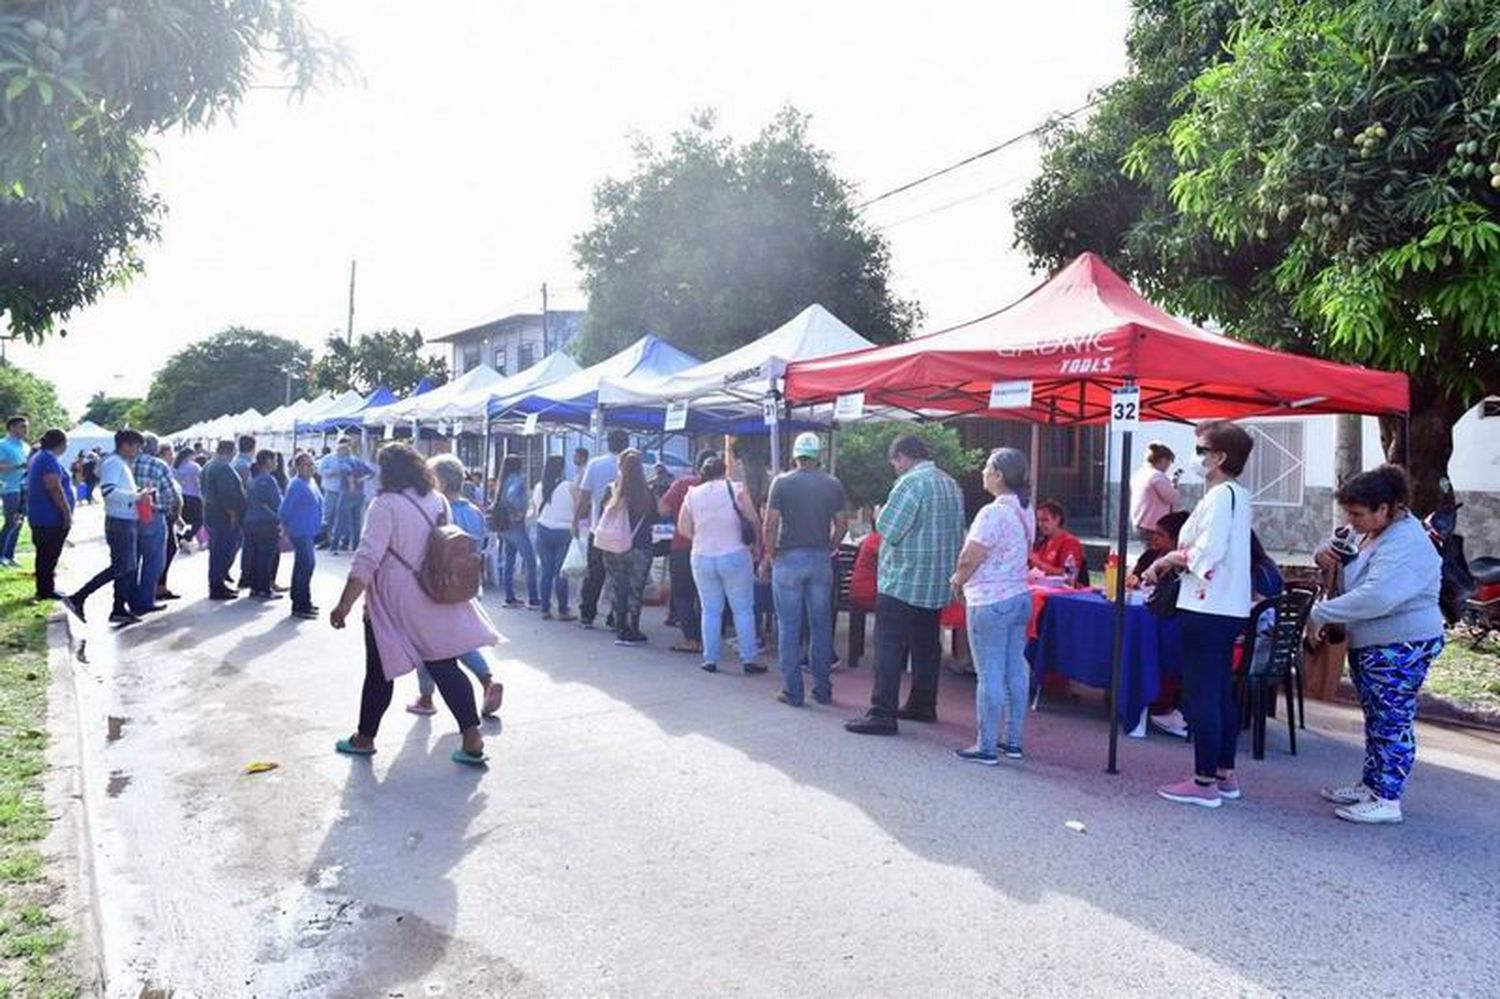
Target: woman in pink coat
[(404, 628)]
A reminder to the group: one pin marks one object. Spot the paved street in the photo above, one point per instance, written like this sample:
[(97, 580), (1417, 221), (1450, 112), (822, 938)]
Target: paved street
[(648, 829)]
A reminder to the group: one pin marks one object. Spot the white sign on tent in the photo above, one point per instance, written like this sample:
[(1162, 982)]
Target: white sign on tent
[(1010, 395), (528, 429), (676, 417), (849, 407)]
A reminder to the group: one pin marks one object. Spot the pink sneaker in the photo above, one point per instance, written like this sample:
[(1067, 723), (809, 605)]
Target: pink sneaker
[(1190, 792), (1229, 788)]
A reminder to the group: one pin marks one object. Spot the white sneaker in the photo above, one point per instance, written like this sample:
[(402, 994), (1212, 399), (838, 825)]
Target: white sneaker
[(1376, 811), (1171, 723), (1353, 794)]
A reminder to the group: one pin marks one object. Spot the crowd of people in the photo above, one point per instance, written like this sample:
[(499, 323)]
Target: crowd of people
[(737, 559)]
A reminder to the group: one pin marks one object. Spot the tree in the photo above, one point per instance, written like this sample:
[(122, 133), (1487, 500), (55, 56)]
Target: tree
[(710, 245), (865, 470), (228, 372), (110, 412), (1322, 182), (24, 394), (386, 357), (82, 87)]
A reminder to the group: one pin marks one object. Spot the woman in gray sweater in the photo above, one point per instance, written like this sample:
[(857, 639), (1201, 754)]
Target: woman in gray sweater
[(1390, 606)]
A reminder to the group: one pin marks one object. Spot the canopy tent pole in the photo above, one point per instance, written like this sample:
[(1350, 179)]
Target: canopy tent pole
[(1036, 461), (833, 450), (1122, 527), (484, 473), (775, 430)]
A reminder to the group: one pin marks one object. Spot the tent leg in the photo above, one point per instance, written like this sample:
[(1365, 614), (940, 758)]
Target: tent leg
[(1036, 460), (484, 475), (1122, 528)]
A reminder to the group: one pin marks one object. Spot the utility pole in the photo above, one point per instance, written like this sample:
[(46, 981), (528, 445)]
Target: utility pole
[(546, 346), (349, 331)]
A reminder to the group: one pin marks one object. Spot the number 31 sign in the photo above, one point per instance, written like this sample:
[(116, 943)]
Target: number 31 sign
[(1125, 409)]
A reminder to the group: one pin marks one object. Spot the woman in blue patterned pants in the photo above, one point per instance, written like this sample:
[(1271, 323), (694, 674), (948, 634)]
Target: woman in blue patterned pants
[(1390, 605)]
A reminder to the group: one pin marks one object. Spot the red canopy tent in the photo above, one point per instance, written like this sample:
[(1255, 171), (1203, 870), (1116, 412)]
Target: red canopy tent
[(1077, 337)]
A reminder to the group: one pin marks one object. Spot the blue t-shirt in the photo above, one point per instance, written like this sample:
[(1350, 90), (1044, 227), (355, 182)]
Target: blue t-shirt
[(12, 452), (41, 507)]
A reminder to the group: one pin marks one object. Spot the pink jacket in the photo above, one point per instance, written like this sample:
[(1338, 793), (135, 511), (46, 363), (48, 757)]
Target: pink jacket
[(409, 627)]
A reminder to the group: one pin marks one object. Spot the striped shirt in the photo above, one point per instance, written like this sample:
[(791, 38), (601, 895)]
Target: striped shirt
[(921, 529), (151, 472)]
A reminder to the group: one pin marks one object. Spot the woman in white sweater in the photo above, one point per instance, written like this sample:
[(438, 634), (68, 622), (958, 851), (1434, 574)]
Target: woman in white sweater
[(1390, 605), (1213, 555)]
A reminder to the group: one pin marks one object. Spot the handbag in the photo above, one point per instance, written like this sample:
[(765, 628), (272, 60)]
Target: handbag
[(1163, 600), (576, 562), (614, 533), (747, 529)]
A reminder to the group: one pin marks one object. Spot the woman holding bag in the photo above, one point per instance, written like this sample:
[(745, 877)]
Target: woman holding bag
[(552, 503), (623, 536), (718, 517)]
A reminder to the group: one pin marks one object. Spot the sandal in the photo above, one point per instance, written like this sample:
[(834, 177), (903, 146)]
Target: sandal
[(493, 695), (468, 759), (348, 747), (693, 647), (418, 708)]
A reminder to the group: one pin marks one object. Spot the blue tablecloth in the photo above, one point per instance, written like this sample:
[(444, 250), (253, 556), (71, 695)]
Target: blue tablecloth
[(1075, 637)]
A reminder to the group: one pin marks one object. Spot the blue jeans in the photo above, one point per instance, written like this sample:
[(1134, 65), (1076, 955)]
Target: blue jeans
[(518, 542), (473, 660), (346, 528), (120, 535), (305, 558), (151, 555), (997, 636), (802, 586), (551, 548), (223, 543), (330, 513), (12, 529), (719, 577)]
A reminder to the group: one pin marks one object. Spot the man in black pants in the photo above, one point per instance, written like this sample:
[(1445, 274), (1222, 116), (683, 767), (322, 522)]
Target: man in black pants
[(598, 476), (49, 509), (685, 608)]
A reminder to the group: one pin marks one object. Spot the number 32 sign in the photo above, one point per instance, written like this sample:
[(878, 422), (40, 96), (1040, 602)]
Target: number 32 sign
[(1125, 409)]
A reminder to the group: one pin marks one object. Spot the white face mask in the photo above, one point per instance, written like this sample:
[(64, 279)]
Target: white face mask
[(1200, 466)]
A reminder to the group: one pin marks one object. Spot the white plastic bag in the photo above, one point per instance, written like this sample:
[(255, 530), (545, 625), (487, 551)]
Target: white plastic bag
[(576, 562)]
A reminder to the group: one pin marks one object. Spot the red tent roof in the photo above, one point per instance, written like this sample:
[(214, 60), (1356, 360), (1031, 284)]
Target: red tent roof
[(1079, 335)]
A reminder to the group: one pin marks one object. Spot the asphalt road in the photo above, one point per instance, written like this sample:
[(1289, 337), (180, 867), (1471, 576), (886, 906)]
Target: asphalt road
[(648, 829)]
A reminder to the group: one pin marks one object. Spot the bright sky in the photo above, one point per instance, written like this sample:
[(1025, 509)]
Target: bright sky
[(461, 166)]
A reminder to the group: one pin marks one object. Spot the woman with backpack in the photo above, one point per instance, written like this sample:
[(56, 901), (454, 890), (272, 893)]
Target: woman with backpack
[(404, 625), (623, 536), (508, 517)]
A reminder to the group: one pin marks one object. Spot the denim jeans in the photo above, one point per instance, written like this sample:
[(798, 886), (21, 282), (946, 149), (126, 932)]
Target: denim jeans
[(997, 636), (151, 555), (1209, 705), (551, 548), (223, 543), (593, 585), (518, 542), (732, 577), (802, 585), (346, 528), (331, 500), (121, 536), (905, 631), (304, 560), (12, 528), (475, 663)]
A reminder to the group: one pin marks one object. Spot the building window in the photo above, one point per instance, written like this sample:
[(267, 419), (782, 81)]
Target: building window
[(470, 355), (1275, 470), (525, 356), (499, 362)]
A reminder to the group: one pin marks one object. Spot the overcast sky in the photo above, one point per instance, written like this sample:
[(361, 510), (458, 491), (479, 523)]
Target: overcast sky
[(460, 167)]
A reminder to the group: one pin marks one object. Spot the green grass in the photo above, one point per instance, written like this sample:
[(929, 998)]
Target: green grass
[(1467, 677), (33, 941)]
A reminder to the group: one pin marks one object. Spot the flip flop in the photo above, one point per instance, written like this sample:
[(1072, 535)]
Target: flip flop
[(416, 708), (468, 759), (492, 699), (348, 747)]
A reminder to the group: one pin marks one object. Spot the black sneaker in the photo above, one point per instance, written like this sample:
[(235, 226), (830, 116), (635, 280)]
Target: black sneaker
[(871, 725), (306, 613), (823, 696), (979, 756), (222, 595), (631, 639), (266, 595), (73, 606), (910, 714), (709, 667), (123, 618), (754, 668), (1011, 752)]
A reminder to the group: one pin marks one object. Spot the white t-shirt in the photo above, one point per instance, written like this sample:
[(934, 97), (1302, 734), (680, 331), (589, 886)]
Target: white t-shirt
[(556, 511), (1007, 530), (1216, 539), (716, 526), (597, 477)]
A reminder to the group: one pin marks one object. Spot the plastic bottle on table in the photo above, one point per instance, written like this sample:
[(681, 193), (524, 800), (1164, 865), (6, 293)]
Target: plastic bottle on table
[(1070, 571), (1111, 567)]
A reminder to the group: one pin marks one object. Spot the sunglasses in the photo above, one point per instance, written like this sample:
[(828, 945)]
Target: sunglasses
[(1201, 451)]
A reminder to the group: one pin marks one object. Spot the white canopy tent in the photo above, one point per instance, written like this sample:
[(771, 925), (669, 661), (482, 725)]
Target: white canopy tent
[(442, 403), (89, 435)]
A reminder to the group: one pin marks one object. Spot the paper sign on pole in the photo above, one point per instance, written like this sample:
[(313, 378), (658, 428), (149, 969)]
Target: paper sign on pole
[(1125, 409), (1010, 395), (770, 408), (676, 418), (390, 431), (596, 423), (849, 407), (528, 428)]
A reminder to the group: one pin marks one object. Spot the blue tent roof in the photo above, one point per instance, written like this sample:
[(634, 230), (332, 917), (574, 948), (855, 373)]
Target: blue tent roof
[(382, 396), (572, 399), (422, 386), (350, 418)]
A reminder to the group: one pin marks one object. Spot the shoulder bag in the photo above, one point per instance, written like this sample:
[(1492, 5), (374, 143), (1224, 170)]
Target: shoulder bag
[(748, 533)]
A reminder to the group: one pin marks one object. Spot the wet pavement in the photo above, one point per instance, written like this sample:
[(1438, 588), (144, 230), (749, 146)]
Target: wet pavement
[(648, 829)]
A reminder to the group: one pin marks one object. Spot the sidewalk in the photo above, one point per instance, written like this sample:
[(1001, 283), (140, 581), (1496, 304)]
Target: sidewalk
[(648, 829)]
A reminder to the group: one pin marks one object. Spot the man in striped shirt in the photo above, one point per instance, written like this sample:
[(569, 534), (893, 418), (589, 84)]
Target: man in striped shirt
[(152, 536), (921, 530)]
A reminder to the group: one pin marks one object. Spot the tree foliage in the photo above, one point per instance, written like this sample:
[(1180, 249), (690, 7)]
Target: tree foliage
[(228, 372), (710, 245), (391, 357), (111, 412), (24, 394), (1326, 178), (83, 85), (865, 470)]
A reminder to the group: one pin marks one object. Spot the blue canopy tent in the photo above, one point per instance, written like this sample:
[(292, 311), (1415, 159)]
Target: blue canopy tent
[(572, 400), (352, 418)]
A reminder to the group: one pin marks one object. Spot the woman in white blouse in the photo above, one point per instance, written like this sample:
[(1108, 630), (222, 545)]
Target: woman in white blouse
[(1213, 556)]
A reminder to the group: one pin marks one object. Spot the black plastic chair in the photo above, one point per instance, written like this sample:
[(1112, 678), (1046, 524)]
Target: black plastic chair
[(843, 578), (1282, 663)]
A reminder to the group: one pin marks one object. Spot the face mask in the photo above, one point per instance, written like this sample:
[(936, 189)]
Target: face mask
[(1200, 466)]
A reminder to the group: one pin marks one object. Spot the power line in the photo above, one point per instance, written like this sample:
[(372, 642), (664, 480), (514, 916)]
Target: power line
[(1006, 144), (1010, 182)]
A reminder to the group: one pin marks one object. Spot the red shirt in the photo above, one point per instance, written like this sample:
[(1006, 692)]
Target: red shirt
[(862, 577), (1054, 551), (672, 500)]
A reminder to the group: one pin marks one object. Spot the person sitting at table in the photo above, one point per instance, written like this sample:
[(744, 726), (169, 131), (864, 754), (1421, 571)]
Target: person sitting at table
[(1159, 540), (1164, 713), (991, 577), (1056, 552)]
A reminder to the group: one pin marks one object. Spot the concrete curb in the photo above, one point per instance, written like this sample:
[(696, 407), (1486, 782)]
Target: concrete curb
[(70, 840)]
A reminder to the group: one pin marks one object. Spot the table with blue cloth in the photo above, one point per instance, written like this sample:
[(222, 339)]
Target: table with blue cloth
[(1075, 637)]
